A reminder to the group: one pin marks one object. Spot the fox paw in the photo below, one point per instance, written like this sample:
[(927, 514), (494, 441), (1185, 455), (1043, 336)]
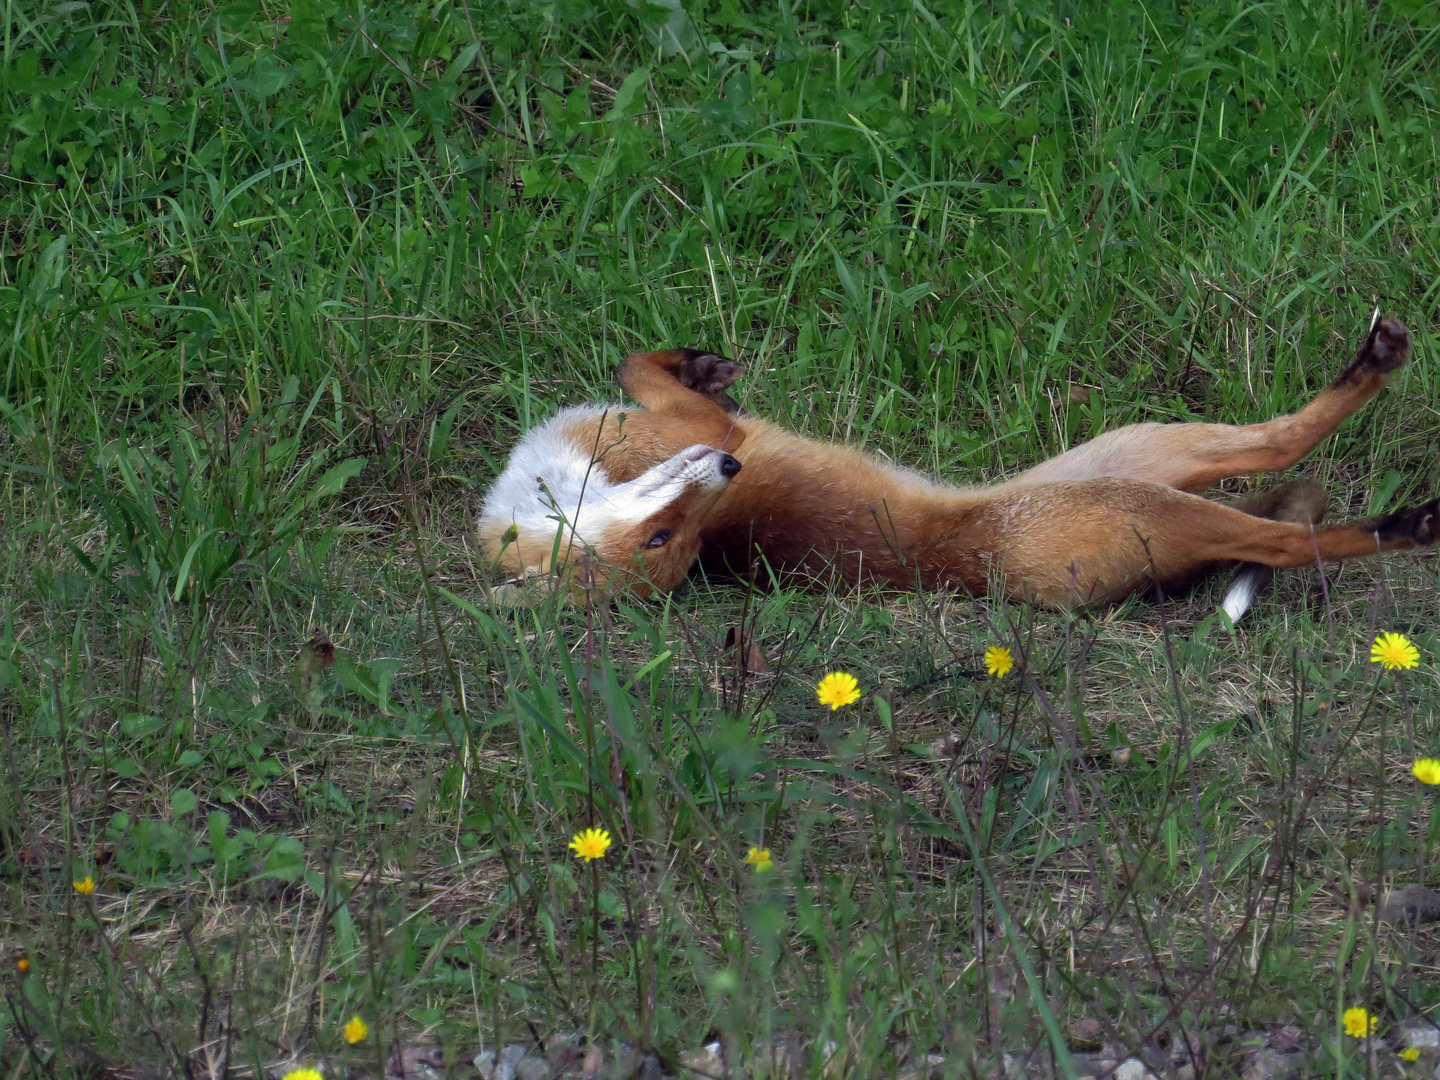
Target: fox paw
[(1386, 348), (1419, 525), (705, 372), (709, 374)]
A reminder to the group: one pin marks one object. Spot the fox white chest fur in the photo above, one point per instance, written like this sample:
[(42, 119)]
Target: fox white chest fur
[(561, 501)]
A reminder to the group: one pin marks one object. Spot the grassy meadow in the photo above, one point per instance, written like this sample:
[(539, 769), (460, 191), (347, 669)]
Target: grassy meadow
[(280, 284)]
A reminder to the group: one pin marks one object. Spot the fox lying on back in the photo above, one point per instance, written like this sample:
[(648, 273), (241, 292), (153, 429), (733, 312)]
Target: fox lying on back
[(635, 496)]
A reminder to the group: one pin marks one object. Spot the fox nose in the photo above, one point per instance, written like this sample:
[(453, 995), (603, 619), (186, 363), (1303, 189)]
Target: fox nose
[(729, 467)]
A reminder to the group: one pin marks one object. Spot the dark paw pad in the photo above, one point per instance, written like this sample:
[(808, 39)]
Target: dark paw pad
[(1386, 348), (706, 373)]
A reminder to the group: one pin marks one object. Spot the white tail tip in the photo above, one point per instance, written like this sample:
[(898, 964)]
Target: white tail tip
[(1248, 584)]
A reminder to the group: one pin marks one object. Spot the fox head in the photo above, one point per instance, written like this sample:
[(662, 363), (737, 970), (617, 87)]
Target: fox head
[(642, 535)]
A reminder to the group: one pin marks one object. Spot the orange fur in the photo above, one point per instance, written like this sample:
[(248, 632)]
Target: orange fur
[(1090, 525)]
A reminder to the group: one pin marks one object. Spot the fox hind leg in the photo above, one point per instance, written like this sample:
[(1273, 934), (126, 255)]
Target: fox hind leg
[(1192, 457), (1098, 540)]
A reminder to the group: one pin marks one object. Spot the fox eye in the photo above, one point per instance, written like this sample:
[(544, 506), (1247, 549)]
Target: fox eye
[(660, 539)]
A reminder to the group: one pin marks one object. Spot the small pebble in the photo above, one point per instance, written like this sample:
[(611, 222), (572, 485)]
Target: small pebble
[(1423, 1038), (705, 1062), (1132, 1069), (502, 1066)]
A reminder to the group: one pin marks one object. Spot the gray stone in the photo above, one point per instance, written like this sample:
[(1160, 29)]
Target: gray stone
[(1085, 1034), (502, 1066), (705, 1062), (1272, 1065), (1421, 1034), (1132, 1069)]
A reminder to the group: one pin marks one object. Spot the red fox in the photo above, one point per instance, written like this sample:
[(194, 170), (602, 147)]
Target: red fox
[(635, 496)]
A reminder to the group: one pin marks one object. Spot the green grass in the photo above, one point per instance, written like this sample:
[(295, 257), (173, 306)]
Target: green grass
[(280, 285)]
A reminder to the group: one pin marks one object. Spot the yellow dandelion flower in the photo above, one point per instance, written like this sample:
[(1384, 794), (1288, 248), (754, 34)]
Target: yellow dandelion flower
[(1358, 1022), (356, 1030), (85, 886), (1426, 770), (22, 965), (759, 858), (998, 661), (1410, 1053), (838, 688), (1394, 652), (590, 844), (303, 1074)]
